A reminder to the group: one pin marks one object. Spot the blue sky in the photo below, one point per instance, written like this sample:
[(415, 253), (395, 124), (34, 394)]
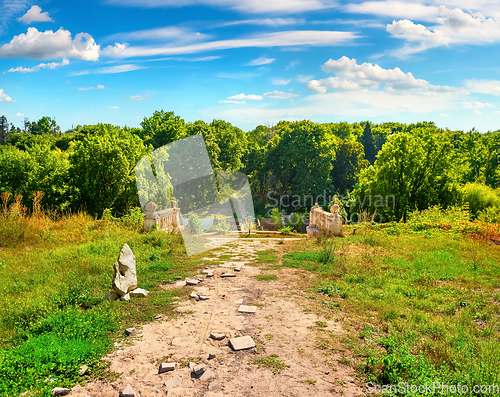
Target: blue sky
[(251, 62)]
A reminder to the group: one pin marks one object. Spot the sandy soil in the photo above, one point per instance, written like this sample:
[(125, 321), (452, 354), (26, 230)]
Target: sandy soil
[(282, 325)]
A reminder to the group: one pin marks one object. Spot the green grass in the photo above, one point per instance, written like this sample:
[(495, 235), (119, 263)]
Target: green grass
[(266, 277), (276, 365), (433, 304), (267, 256), (53, 313)]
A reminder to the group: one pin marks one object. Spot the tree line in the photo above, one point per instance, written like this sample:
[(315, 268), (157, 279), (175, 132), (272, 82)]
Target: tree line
[(92, 167)]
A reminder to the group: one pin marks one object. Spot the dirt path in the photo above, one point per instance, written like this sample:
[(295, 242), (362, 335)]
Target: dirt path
[(281, 325)]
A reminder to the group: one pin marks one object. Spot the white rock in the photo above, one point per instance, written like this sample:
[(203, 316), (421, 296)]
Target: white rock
[(217, 336), (192, 282), (247, 309), (139, 293), (125, 276), (128, 392), (194, 295), (199, 369), (166, 367), (125, 297), (242, 343), (83, 370)]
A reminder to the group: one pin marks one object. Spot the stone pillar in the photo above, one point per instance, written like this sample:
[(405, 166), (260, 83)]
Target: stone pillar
[(151, 217), (337, 220)]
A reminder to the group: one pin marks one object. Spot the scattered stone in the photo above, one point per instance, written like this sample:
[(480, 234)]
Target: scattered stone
[(200, 280), (211, 356), (125, 297), (207, 271), (112, 296), (166, 367), (242, 343), (181, 283), (192, 282), (247, 309), (210, 275), (204, 298), (327, 372), (191, 365), (254, 350), (181, 392), (224, 265), (83, 370), (60, 391), (174, 381), (199, 369), (237, 268), (128, 392), (239, 302), (208, 374), (130, 331), (228, 275), (177, 278), (138, 293), (194, 295), (125, 277), (217, 336), (158, 317)]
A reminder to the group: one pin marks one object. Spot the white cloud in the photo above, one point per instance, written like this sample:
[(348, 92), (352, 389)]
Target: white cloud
[(51, 65), (281, 81), (274, 22), (44, 45), (20, 115), (453, 27), (226, 101), (491, 87), (35, 14), (112, 107), (476, 105), (260, 61), (445, 114), (280, 95), (179, 35), (100, 87), (354, 77), (396, 9), (275, 39), (304, 79), (140, 97), (252, 97), (497, 111), (110, 70), (245, 6), (478, 112), (4, 97), (85, 89)]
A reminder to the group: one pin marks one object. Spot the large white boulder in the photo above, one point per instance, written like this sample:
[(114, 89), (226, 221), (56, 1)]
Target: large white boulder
[(125, 277)]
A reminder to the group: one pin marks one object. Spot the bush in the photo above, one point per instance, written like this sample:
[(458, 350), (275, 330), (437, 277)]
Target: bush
[(194, 224), (286, 230), (480, 197), (436, 214), (489, 215), (276, 217), (222, 227)]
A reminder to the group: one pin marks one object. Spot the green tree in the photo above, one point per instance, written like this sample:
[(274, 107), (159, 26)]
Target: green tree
[(4, 130), (102, 170), (162, 128), (416, 169), (348, 163), (232, 143), (368, 142)]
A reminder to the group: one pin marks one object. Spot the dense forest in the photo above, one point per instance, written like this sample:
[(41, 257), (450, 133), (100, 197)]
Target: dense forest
[(390, 169)]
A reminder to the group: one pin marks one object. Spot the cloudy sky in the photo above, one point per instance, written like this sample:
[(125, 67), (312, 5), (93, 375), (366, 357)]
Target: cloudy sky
[(251, 62)]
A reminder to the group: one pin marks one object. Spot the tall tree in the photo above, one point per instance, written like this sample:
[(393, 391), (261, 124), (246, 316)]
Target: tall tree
[(162, 128), (368, 142), (4, 130), (348, 163)]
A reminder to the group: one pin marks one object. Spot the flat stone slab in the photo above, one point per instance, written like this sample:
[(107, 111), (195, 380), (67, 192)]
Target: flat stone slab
[(194, 295), (204, 297), (210, 275), (207, 271), (247, 309), (166, 367), (60, 391), (217, 336), (242, 343), (181, 283), (228, 275), (237, 268), (192, 282), (174, 381), (224, 265)]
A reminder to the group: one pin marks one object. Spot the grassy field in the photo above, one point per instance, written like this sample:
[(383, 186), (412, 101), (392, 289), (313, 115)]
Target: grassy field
[(418, 303), (419, 306)]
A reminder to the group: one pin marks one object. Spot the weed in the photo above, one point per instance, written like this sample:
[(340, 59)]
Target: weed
[(272, 362), (266, 277)]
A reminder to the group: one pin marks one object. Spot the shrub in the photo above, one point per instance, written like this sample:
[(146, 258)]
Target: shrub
[(489, 215), (286, 230), (194, 224), (222, 227), (436, 214), (480, 197), (276, 217)]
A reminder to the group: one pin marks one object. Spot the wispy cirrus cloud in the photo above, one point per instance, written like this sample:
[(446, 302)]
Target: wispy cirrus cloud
[(111, 70), (491, 87), (280, 95), (241, 96), (9, 9), (292, 38), (476, 105), (260, 61), (51, 65), (140, 97)]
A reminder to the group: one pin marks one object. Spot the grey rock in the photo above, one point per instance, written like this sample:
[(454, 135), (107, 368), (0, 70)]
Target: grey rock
[(177, 278), (172, 382), (191, 365), (210, 275), (60, 391), (192, 282), (125, 297), (247, 309), (204, 298), (211, 356), (130, 331), (166, 367), (242, 343), (83, 370), (228, 275), (199, 369), (112, 296), (194, 295), (217, 336), (139, 293), (125, 276), (128, 392), (237, 268)]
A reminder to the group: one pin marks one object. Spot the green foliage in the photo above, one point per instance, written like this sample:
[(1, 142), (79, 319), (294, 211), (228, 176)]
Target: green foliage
[(436, 214), (368, 142), (348, 163), (266, 277), (162, 128), (287, 230), (277, 217), (276, 365), (490, 215), (194, 225), (480, 197), (222, 227)]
